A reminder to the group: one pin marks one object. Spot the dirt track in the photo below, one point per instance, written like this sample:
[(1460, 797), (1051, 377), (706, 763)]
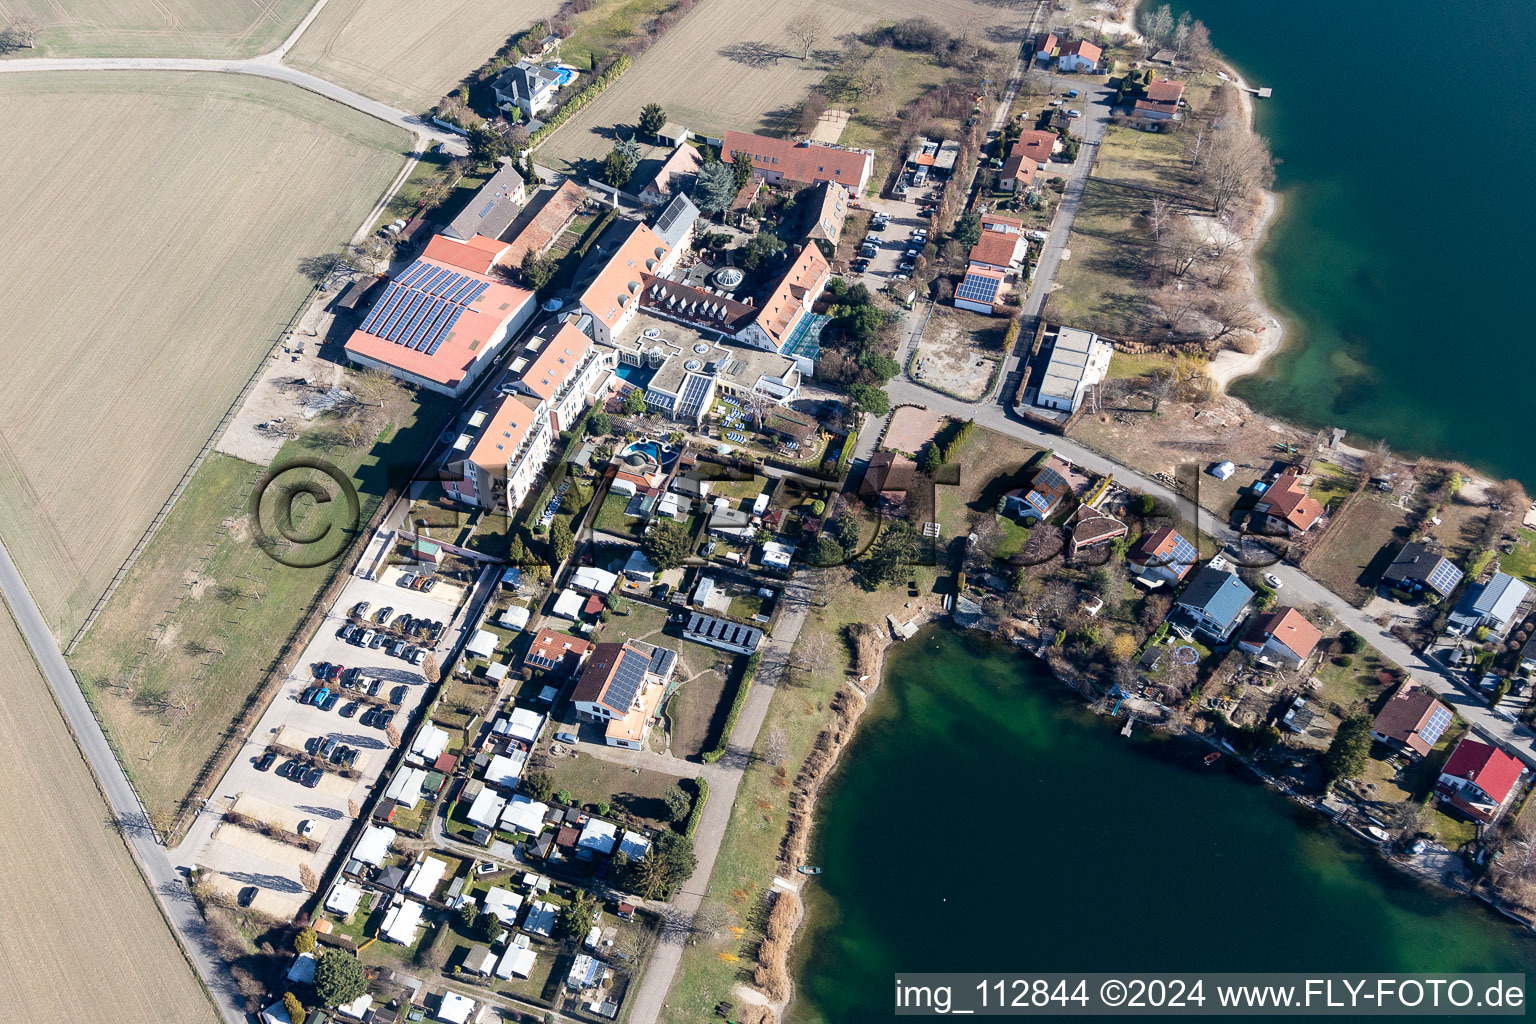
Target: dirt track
[(79, 931)]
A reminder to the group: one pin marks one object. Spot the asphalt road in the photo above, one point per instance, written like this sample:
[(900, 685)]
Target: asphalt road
[(167, 885)]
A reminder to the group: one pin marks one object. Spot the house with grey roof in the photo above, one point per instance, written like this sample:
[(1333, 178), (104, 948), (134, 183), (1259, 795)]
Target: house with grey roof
[(528, 86), (1493, 604), (494, 207), (1213, 603), (1420, 567)]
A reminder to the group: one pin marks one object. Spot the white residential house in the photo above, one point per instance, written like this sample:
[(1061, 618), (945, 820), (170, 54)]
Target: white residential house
[(1079, 56), (527, 86)]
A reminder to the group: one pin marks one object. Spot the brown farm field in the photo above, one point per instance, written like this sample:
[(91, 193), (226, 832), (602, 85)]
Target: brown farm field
[(74, 897), (409, 53), (151, 261), (728, 65), (157, 28)]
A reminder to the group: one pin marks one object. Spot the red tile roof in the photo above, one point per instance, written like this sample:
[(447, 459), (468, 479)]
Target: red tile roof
[(1288, 626), (503, 432), (799, 161), (1082, 48), (995, 248), (1165, 91), (1489, 768), (1036, 145), (546, 225), (551, 645), (1158, 548), (807, 273), (556, 361), (1046, 42), (479, 254), (619, 282), (1288, 500), (1007, 225), (1017, 168)]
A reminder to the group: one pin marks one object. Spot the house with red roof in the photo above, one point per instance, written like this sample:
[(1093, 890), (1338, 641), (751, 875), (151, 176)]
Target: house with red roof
[(1281, 634), (1027, 158), (1079, 55), (1163, 556), (439, 325), (1161, 101), (1286, 505), (613, 296), (997, 250), (809, 163), (553, 650), (1046, 45), (1478, 780)]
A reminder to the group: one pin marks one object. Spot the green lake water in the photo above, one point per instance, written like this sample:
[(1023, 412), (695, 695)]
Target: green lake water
[(983, 820), (1402, 258)]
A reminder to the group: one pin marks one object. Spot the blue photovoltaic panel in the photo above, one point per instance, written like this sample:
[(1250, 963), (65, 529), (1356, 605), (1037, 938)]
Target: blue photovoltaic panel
[(1444, 577), (1435, 726), (421, 306), (627, 680), (977, 289)]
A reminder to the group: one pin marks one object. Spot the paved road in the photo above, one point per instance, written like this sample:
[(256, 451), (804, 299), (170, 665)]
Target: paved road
[(166, 884), (647, 1001), (265, 66)]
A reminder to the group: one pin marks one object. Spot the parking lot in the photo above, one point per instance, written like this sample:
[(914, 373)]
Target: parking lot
[(893, 243), (236, 858)]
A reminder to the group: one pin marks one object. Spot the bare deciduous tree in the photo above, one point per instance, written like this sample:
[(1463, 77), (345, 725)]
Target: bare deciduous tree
[(1230, 315), (775, 746), (1236, 164), (805, 30)]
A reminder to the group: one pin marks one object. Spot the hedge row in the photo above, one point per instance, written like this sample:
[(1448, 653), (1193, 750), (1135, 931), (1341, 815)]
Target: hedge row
[(954, 444), (701, 784), (711, 756), (581, 99)]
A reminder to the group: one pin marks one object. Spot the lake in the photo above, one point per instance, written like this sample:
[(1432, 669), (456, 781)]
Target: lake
[(1400, 260), (984, 820)]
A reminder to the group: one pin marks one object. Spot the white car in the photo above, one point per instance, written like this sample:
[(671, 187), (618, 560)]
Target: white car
[(1074, 113), (1272, 581)]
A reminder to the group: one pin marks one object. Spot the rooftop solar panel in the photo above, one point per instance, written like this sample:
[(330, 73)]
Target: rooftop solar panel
[(426, 282), (392, 299), (402, 315), (412, 272), (446, 284), (1435, 726), (627, 680), (465, 287), (442, 332), (479, 290), (421, 323), (421, 306), (977, 288)]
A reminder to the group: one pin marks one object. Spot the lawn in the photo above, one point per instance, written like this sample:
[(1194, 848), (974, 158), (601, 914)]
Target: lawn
[(737, 490), (1356, 686), (1331, 484), (1124, 365), (1101, 288), (631, 794), (643, 622), (1350, 556), (197, 197), (602, 28), (1521, 562), (187, 644), (991, 465), (696, 714), (610, 518)]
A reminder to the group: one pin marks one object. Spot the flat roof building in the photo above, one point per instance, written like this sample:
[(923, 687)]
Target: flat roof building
[(1077, 361)]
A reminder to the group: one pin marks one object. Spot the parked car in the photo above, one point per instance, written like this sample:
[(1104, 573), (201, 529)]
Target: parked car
[(313, 776), (905, 265), (350, 709), (345, 632), (1272, 581), (397, 649), (367, 639), (335, 673), (350, 759), (411, 650), (378, 639), (418, 657), (339, 755), (322, 669), (1074, 113), (384, 614), (360, 609), (320, 694), (369, 717), (405, 580), (290, 769), (308, 696), (859, 266), (265, 761), (431, 582), (384, 718), (420, 582), (329, 701), (247, 896), (374, 685), (328, 747), (312, 745), (397, 695)]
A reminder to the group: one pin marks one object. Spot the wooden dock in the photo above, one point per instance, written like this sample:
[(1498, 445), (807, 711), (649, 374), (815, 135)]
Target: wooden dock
[(1263, 93)]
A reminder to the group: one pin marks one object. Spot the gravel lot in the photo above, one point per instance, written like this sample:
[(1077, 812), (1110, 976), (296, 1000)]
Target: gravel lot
[(241, 857)]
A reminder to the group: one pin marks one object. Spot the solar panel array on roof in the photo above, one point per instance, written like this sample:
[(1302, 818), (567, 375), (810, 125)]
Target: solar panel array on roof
[(628, 677), (422, 305), (695, 390), (1444, 576), (1182, 556), (1435, 726), (662, 660), (978, 288), (708, 628)]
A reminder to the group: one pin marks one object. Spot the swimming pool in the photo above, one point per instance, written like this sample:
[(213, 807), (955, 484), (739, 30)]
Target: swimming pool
[(662, 455), (639, 376), (564, 76)]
